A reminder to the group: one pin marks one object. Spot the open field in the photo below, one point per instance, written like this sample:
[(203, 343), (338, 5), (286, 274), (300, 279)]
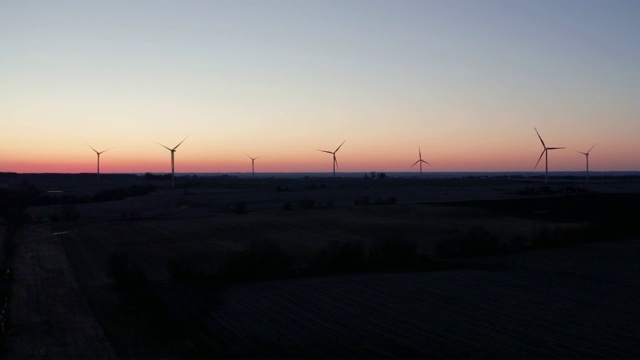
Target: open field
[(517, 304), (570, 303)]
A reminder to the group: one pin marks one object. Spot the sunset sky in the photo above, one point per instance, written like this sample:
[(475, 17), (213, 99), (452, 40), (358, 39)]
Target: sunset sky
[(466, 81)]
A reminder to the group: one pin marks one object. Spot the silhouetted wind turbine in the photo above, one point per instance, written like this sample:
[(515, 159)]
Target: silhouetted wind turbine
[(545, 152), (586, 154), (253, 168), (173, 151), (98, 154), (335, 161), (420, 161)]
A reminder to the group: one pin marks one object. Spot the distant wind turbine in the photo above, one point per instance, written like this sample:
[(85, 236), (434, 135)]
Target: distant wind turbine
[(98, 154), (173, 151), (545, 152), (335, 161), (420, 161), (586, 154), (253, 168)]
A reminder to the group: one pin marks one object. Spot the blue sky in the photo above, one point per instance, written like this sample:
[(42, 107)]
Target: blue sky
[(465, 80)]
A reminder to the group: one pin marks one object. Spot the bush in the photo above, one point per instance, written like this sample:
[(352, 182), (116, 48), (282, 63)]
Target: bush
[(127, 276), (240, 207), (70, 212), (340, 256), (195, 267), (140, 294), (306, 204), (476, 242), (393, 254), (121, 193), (391, 200), (263, 259), (550, 238), (479, 241)]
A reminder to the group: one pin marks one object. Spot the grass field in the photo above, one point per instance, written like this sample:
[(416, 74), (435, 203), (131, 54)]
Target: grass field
[(438, 314)]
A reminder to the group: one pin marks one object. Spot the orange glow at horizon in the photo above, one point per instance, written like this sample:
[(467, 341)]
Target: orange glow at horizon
[(349, 161)]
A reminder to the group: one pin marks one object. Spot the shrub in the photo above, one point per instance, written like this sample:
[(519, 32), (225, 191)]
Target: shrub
[(340, 256), (479, 241), (476, 242), (330, 202), (121, 193), (139, 293), (393, 254), (556, 237), (196, 267), (70, 212), (306, 204), (240, 207), (262, 259), (127, 276), (391, 200)]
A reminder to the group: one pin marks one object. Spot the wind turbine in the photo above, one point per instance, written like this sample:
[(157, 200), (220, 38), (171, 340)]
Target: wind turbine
[(335, 161), (586, 154), (98, 154), (173, 151), (420, 161), (253, 168), (545, 152)]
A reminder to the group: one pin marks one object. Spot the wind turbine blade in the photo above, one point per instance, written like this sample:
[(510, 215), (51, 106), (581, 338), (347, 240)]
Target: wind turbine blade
[(594, 145), (96, 151), (419, 153), (104, 151), (555, 148), (165, 147), (339, 146), (414, 164), (540, 158), (328, 152), (582, 152), (426, 162), (180, 143), (336, 162), (540, 137)]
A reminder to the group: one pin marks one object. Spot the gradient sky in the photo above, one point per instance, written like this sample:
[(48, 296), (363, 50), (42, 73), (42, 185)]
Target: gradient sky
[(466, 81)]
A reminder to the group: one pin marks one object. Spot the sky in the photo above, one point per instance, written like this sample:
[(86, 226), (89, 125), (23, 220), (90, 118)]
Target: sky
[(466, 81)]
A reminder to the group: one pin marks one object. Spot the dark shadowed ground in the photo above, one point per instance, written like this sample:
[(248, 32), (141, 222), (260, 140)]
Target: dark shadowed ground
[(578, 302), (559, 275)]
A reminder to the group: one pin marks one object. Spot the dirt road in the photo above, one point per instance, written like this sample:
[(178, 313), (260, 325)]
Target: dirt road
[(49, 315)]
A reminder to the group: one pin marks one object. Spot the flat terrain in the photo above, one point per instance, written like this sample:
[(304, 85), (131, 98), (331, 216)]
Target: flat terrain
[(576, 302), (568, 302)]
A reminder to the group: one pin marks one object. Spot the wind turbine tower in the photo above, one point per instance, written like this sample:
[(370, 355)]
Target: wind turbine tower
[(586, 154), (253, 167), (98, 154), (545, 152), (420, 161), (173, 151), (335, 161)]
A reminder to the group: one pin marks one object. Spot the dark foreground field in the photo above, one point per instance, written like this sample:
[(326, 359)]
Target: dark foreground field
[(574, 303), (150, 276)]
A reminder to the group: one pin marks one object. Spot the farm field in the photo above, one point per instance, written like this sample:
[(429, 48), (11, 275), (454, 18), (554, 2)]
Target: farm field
[(535, 303), (562, 303)]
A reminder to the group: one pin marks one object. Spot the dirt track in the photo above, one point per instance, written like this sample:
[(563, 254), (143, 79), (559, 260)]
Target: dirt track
[(50, 317)]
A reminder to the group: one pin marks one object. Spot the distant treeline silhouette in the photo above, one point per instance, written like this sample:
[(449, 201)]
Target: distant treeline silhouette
[(15, 200)]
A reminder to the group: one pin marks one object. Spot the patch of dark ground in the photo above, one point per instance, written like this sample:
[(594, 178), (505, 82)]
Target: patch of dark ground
[(572, 302)]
